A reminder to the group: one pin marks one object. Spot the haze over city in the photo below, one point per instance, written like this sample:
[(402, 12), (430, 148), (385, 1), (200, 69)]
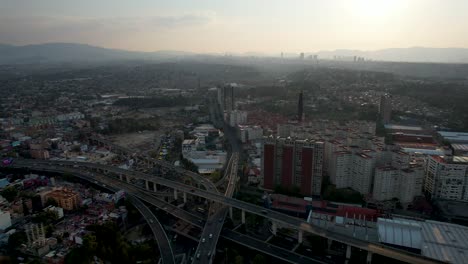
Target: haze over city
[(234, 132), (268, 26)]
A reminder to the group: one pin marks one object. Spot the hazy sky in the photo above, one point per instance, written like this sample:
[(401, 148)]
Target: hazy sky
[(268, 26)]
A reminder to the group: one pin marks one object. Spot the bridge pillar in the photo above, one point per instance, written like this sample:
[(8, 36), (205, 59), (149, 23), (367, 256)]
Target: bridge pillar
[(243, 216), (348, 253), (175, 194), (121, 177), (185, 197), (369, 257), (155, 188), (128, 179), (147, 185), (329, 243), (230, 213), (300, 234), (274, 227)]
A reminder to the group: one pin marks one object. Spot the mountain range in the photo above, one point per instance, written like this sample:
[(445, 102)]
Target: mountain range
[(69, 52)]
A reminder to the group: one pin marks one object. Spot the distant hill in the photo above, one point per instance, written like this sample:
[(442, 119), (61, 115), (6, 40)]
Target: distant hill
[(71, 52), (414, 54), (65, 52)]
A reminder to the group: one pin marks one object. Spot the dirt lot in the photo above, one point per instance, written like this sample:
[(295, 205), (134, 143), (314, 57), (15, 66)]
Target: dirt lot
[(144, 141)]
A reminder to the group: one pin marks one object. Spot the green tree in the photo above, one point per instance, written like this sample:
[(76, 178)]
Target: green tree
[(50, 201), (239, 260), (15, 240), (9, 193), (259, 259)]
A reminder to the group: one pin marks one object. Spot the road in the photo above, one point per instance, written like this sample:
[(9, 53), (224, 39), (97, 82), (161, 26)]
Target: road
[(160, 235), (163, 241), (216, 217), (193, 219), (290, 221)]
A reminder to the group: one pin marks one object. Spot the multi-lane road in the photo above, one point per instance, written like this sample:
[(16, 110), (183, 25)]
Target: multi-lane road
[(290, 221), (216, 216), (195, 220)]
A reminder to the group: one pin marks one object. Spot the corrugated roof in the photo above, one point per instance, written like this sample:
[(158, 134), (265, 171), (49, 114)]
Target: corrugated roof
[(445, 241), (401, 232)]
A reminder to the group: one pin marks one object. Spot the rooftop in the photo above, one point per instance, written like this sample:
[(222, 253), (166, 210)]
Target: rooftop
[(400, 127)]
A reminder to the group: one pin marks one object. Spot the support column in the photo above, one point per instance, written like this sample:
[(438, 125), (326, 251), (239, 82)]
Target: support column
[(300, 234), (175, 194), (185, 197), (155, 188), (230, 213), (348, 254), (274, 227), (243, 217), (128, 179), (121, 177), (369, 257), (147, 185), (329, 243)]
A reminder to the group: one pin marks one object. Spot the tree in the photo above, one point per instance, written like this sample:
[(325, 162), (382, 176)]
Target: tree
[(259, 259), (50, 201), (9, 193), (15, 240), (239, 260)]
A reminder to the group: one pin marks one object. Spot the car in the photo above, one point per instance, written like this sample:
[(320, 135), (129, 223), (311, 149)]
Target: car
[(264, 212), (198, 255), (151, 220), (203, 240), (210, 236), (209, 253)]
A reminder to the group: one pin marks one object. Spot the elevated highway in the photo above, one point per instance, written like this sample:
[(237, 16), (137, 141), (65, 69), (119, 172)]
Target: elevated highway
[(274, 216)]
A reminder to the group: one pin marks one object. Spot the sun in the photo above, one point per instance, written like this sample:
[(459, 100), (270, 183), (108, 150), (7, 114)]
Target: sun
[(374, 8)]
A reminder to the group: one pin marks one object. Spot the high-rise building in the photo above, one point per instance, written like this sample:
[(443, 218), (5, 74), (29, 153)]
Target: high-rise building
[(292, 163), (403, 184), (301, 56), (237, 117), (385, 109), (300, 108), (446, 178), (353, 168)]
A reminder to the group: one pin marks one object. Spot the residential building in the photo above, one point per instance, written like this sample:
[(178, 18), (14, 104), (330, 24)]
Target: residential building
[(385, 109), (446, 177), (65, 198), (293, 163)]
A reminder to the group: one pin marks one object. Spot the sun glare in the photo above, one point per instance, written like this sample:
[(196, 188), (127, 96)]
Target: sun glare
[(374, 8)]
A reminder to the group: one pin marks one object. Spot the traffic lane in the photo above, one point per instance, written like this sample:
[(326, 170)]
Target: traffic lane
[(207, 245), (268, 249), (288, 220), (178, 212), (158, 231), (163, 242)]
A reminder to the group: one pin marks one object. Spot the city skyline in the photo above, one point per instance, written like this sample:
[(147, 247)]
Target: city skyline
[(240, 26)]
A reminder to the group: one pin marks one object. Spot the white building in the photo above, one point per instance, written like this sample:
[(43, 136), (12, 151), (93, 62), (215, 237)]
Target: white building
[(411, 184), (362, 172), (340, 169), (5, 220), (386, 183), (250, 133), (237, 117), (446, 178)]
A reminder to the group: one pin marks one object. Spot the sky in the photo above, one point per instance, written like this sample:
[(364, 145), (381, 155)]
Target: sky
[(267, 26)]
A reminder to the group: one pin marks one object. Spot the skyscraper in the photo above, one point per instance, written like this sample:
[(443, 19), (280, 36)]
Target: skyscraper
[(385, 109), (300, 108)]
